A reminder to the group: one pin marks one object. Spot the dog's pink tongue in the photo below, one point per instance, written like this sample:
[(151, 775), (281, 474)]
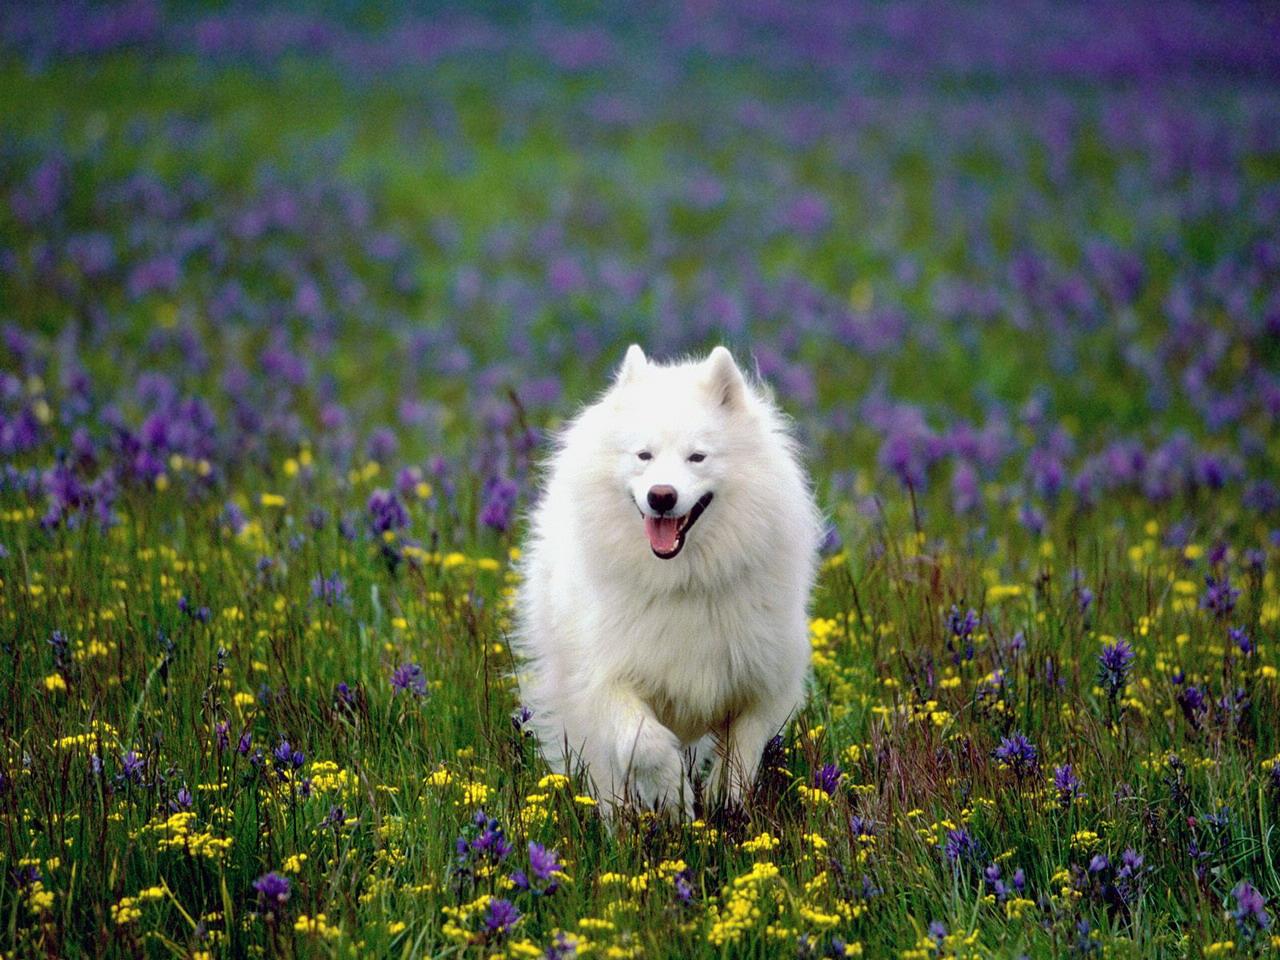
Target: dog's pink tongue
[(662, 533)]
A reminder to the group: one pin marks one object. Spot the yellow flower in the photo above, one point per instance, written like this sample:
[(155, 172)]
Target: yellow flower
[(765, 841), (54, 683), (1003, 591), (317, 926)]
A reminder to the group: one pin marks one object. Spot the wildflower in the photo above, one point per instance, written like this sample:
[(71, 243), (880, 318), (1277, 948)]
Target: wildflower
[(132, 767), (1129, 876), (827, 778), (1219, 597), (520, 718), (499, 503), (285, 756), (543, 866), (386, 512), (1067, 784), (543, 862), (862, 828), (960, 629), (328, 590), (486, 847), (500, 915), (344, 697), (683, 886), (960, 847), (1251, 909), (563, 947), (409, 678), (1114, 664), (1018, 754), (58, 641), (1242, 640), (273, 888)]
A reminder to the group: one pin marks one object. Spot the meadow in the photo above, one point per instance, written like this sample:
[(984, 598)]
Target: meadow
[(292, 299)]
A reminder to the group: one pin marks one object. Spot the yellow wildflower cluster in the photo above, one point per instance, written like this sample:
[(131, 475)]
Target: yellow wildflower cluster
[(745, 903), (328, 777), (317, 926), (129, 909), (176, 833)]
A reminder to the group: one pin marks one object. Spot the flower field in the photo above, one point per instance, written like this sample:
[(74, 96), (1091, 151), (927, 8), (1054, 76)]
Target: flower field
[(292, 299)]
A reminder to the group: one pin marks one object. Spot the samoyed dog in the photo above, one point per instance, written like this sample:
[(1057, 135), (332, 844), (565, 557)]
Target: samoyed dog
[(662, 611)]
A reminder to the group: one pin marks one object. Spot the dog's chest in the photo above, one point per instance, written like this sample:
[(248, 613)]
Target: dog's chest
[(698, 662)]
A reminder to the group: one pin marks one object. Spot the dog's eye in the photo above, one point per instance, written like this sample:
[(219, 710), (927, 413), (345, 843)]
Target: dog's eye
[(697, 457), (645, 455)]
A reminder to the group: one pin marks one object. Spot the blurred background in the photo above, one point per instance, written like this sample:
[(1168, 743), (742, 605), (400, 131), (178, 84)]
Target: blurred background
[(1013, 255)]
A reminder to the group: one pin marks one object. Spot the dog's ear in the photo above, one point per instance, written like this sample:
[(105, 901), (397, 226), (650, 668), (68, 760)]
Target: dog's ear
[(725, 379), (632, 364)]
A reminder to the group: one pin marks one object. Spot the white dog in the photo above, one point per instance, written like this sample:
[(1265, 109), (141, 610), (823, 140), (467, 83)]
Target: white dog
[(667, 572)]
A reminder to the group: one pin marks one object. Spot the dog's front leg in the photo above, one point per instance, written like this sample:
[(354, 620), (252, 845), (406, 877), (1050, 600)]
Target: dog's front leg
[(738, 758), (648, 761)]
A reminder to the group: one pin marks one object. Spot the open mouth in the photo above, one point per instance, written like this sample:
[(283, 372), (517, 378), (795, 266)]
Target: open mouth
[(666, 534)]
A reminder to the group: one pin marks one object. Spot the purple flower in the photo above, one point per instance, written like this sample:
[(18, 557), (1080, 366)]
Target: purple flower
[(960, 628), (862, 828), (483, 841), (543, 862), (960, 847), (1114, 664), (329, 590), (499, 504), (500, 915), (1018, 754), (344, 697), (827, 778), (683, 887), (1251, 908), (272, 887), (520, 719), (132, 766), (386, 512), (409, 678), (285, 756), (1242, 640), (1219, 597), (962, 625), (561, 948), (1067, 784), (991, 876)]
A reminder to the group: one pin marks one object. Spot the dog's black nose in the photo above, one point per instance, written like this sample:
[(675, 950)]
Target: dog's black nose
[(663, 498)]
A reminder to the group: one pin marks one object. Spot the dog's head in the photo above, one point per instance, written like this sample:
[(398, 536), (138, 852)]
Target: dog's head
[(678, 432)]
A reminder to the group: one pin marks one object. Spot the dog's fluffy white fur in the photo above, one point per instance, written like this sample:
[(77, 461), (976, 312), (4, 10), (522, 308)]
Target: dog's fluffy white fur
[(637, 668)]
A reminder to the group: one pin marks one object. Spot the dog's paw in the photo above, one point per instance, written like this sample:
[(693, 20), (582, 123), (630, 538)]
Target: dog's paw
[(653, 759)]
